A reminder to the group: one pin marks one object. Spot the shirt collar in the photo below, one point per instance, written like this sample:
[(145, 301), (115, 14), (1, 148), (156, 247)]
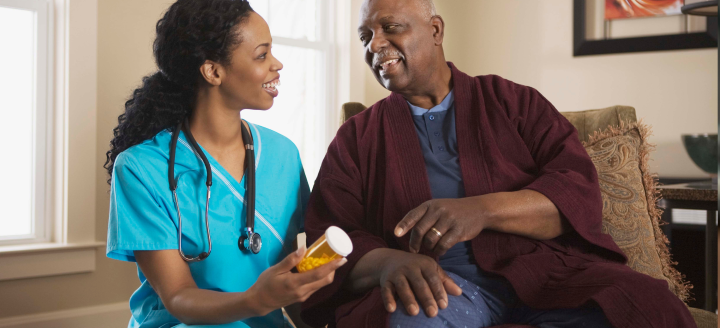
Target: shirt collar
[(441, 107)]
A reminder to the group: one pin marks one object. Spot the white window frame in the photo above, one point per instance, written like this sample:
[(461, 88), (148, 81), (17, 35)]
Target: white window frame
[(332, 42), (42, 107), (69, 245)]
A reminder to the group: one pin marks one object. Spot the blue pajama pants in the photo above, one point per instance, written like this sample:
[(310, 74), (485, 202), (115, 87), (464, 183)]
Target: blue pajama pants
[(489, 300)]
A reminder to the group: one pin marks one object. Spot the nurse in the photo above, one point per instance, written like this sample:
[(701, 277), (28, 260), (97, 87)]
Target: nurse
[(215, 60)]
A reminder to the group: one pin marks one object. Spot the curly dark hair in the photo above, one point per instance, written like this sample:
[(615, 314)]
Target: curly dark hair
[(190, 32)]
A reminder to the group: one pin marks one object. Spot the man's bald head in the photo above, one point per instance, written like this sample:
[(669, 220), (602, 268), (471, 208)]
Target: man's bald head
[(403, 42)]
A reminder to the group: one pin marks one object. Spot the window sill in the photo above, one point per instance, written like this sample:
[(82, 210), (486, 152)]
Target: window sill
[(48, 259)]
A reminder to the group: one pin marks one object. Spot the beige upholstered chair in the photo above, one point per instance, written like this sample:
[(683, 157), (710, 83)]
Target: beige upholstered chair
[(587, 123)]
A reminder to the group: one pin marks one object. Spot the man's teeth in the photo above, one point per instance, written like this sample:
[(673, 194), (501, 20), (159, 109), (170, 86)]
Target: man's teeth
[(271, 85), (385, 65)]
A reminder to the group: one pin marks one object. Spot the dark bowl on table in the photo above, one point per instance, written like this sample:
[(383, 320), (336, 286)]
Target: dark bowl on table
[(703, 150)]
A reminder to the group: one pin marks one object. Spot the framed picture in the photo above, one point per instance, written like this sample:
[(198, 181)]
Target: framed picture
[(617, 26)]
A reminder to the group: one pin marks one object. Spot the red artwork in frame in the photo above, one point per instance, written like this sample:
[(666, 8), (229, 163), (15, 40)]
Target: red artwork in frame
[(618, 9)]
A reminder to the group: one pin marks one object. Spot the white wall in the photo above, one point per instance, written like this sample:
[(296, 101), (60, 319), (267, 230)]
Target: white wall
[(530, 42)]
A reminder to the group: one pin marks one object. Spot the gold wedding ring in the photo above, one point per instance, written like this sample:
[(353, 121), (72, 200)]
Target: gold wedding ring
[(437, 232)]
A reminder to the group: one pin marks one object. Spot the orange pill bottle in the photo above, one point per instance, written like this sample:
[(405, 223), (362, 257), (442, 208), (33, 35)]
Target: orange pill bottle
[(335, 243)]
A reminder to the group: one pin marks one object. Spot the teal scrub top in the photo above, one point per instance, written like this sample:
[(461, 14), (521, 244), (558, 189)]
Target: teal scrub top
[(143, 217)]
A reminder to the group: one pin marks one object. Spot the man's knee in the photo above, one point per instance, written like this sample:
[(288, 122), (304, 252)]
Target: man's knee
[(466, 310), (401, 318)]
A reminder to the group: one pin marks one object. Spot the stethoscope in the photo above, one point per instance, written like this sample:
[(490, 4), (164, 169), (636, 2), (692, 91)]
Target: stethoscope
[(250, 241)]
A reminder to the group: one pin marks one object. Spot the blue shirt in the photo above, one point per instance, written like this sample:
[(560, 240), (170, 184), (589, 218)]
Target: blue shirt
[(143, 217), (438, 140)]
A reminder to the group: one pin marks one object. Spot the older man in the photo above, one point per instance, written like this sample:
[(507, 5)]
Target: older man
[(470, 202)]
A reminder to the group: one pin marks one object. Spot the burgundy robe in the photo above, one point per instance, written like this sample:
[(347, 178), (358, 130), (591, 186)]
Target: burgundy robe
[(509, 138)]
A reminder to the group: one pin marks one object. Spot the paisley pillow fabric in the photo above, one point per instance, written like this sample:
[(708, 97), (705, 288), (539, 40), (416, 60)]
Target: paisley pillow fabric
[(630, 212)]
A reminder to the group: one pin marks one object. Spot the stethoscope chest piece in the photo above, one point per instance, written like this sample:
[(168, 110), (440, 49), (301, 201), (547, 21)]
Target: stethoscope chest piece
[(249, 241), (252, 243)]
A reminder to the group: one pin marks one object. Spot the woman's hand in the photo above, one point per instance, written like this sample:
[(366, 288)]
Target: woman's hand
[(278, 287)]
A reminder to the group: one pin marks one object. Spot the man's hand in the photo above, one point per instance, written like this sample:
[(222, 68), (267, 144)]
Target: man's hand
[(457, 220), (414, 278), (526, 213)]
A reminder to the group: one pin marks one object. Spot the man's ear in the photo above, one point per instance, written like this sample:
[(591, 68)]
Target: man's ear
[(212, 72), (438, 25)]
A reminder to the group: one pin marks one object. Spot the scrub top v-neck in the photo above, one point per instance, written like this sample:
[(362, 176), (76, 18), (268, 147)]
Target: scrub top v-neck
[(143, 217)]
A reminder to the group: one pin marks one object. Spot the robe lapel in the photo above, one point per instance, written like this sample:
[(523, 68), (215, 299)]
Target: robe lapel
[(404, 139), (416, 185), (468, 110)]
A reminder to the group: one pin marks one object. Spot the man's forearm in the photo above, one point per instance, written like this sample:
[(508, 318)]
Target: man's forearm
[(526, 213)]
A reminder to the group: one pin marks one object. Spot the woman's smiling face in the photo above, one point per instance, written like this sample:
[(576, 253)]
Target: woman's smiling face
[(252, 74)]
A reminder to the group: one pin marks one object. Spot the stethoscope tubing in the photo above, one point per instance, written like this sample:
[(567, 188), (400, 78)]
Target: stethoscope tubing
[(202, 255), (250, 195), (250, 198)]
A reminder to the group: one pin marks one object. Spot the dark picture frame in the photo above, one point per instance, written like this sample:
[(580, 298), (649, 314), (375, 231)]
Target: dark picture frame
[(584, 47)]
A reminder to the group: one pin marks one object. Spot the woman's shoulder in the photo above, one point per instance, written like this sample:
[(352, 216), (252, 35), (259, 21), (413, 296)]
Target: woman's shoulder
[(270, 141), (146, 154)]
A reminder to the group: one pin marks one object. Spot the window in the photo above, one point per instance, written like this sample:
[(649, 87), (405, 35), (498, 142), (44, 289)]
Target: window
[(305, 40), (25, 103), (47, 226)]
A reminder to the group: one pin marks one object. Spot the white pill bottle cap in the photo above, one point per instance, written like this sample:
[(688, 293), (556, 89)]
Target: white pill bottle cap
[(339, 241)]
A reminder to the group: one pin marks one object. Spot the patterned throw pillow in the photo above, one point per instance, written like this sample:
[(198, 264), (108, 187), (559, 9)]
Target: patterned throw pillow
[(630, 212)]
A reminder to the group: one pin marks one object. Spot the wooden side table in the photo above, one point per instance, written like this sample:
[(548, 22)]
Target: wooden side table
[(698, 196)]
